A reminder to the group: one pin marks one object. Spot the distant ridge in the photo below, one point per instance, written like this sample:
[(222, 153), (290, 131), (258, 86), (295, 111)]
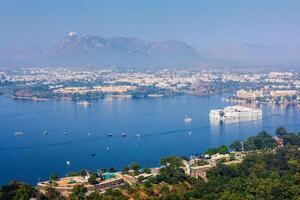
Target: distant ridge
[(90, 50), (83, 50)]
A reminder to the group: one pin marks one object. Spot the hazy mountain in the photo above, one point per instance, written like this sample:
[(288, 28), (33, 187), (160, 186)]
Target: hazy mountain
[(89, 50), (95, 51)]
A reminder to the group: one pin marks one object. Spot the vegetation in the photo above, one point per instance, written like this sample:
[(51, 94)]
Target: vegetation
[(135, 167), (93, 179), (78, 193), (82, 172), (200, 163), (19, 191), (236, 146), (267, 172), (221, 150)]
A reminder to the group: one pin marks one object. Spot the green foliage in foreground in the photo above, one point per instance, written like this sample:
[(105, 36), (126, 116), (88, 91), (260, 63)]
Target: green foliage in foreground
[(221, 150), (269, 173)]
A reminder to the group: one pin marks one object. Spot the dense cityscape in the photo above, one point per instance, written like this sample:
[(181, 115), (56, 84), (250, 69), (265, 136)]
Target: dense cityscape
[(64, 83)]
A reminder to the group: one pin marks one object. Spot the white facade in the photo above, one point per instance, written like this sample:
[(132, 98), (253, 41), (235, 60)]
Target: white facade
[(235, 112)]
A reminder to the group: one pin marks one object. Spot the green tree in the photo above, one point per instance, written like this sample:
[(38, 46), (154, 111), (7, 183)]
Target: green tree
[(93, 179), (112, 169), (280, 131), (135, 167), (53, 194), (78, 193), (125, 169), (147, 170), (236, 145), (171, 170)]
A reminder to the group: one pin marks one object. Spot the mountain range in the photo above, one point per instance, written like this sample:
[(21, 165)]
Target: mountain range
[(95, 51), (81, 50)]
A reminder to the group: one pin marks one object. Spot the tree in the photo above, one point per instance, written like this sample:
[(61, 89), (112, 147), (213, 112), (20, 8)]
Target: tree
[(93, 196), (51, 193), (135, 167), (16, 190), (78, 193), (280, 131), (53, 178), (147, 170), (112, 169), (147, 184), (236, 145), (223, 149), (173, 161), (171, 170), (93, 179), (125, 169)]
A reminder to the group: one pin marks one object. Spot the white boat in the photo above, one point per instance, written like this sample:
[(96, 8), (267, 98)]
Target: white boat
[(18, 133), (235, 113), (84, 103), (138, 135), (187, 119), (68, 163), (107, 149), (65, 133), (123, 134)]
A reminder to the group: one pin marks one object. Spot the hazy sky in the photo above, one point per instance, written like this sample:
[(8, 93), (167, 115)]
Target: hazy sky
[(201, 23)]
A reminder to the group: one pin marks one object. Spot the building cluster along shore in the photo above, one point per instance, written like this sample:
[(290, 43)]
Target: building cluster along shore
[(196, 167), (80, 84)]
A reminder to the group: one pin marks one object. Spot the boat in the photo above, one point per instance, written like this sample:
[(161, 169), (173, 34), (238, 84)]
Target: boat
[(93, 155), (187, 119), (138, 135), (110, 135), (45, 133), (123, 134), (107, 149), (190, 132), (88, 134), (18, 133), (235, 113), (65, 133), (84, 103), (68, 163)]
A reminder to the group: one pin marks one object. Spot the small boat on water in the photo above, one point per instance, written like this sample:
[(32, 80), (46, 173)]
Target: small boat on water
[(68, 163), (187, 119), (190, 132), (84, 103), (45, 132), (138, 135), (110, 135), (65, 133), (93, 155), (107, 149), (123, 134), (88, 134), (18, 133)]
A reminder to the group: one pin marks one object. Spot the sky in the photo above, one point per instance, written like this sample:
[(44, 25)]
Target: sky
[(200, 23)]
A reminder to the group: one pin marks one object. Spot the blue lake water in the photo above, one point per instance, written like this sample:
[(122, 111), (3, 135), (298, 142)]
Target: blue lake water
[(159, 121)]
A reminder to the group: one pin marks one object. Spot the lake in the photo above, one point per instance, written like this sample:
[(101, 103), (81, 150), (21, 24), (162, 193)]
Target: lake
[(159, 121)]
